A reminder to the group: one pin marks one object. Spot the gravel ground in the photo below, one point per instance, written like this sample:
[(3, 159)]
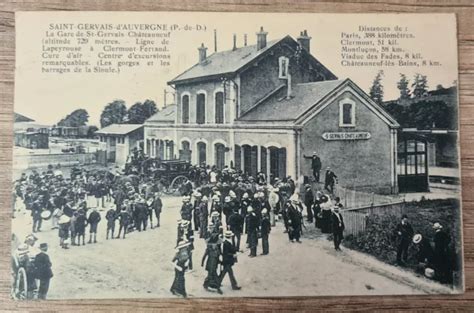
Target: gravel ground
[(140, 266)]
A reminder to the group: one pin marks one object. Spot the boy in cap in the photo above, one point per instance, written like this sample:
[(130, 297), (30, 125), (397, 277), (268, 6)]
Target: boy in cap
[(43, 271), (124, 218), (93, 220), (110, 216), (80, 227)]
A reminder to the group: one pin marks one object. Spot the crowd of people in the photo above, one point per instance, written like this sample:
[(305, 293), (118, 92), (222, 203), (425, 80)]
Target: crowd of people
[(221, 207)]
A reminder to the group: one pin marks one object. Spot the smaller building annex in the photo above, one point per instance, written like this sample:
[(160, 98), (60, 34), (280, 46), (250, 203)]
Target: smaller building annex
[(117, 141)]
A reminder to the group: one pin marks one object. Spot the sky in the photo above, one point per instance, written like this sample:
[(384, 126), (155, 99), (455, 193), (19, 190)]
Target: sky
[(47, 98)]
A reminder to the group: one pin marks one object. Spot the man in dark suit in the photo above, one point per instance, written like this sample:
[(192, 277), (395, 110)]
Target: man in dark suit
[(252, 227), (330, 180), (228, 260), (405, 234), (157, 206), (43, 271), (337, 227), (236, 225), (315, 165), (265, 230)]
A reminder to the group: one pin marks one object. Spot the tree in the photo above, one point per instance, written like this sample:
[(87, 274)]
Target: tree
[(77, 118), (376, 91), (419, 85), (140, 112), (113, 113), (403, 87), (91, 131), (149, 108)]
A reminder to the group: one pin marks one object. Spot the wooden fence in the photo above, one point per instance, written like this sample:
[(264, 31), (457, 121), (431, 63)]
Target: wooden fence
[(354, 222)]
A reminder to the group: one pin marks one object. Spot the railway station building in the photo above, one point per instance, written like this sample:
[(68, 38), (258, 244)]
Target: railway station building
[(267, 107)]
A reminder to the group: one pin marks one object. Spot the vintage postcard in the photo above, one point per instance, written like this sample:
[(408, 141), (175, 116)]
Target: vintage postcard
[(194, 154)]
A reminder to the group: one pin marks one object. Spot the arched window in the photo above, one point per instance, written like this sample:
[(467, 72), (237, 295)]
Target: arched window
[(185, 152), (346, 113), (201, 109), (201, 147), (219, 109), (219, 156), (185, 109)]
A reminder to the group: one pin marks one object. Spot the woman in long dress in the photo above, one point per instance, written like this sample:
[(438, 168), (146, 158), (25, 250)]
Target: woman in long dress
[(211, 257), (326, 209), (180, 260)]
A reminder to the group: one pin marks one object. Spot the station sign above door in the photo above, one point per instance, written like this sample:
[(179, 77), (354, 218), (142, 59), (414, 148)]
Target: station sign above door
[(347, 136)]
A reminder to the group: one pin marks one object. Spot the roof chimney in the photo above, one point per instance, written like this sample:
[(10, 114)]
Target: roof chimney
[(245, 40), (202, 53), (235, 43), (261, 39), (304, 40), (215, 40)]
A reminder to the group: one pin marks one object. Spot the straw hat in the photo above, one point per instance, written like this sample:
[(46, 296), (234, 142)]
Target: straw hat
[(228, 234), (64, 219), (227, 199), (182, 244), (264, 211), (214, 214), (437, 226), (429, 272), (205, 199), (249, 209), (245, 195), (46, 215), (417, 238)]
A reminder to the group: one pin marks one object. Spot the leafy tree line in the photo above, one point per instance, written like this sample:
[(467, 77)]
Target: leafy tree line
[(116, 112), (420, 113)]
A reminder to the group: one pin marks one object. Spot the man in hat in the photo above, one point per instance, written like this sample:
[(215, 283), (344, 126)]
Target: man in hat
[(197, 210), (187, 209), (330, 180), (36, 215), (294, 219), (63, 232), (93, 220), (315, 165), (308, 202), (404, 232), (236, 225), (441, 260), (203, 216), (337, 227), (424, 254), (252, 228), (229, 257), (142, 213), (43, 271), (157, 207), (265, 229)]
